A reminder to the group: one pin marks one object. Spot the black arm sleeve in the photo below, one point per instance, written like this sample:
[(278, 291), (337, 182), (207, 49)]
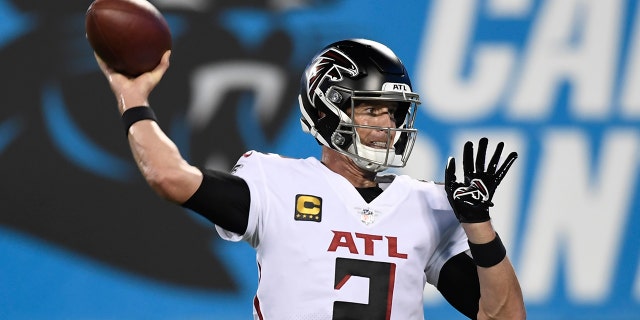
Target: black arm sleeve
[(223, 199), (459, 284)]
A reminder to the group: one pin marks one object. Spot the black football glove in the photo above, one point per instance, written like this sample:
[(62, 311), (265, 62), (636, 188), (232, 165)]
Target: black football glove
[(471, 200)]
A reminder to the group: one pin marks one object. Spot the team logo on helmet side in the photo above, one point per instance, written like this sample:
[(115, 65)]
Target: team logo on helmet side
[(329, 64)]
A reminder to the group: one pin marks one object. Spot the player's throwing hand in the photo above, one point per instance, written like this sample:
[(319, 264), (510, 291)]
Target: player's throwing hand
[(471, 200)]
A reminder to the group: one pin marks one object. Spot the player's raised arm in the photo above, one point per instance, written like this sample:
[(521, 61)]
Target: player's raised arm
[(500, 292), (157, 157)]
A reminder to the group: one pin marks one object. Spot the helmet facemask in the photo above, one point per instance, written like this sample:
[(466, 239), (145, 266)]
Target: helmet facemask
[(399, 139)]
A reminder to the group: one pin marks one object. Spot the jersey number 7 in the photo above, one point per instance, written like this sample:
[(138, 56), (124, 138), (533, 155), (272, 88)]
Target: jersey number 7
[(381, 280)]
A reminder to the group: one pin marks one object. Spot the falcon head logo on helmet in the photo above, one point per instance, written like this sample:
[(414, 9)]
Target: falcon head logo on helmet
[(328, 65)]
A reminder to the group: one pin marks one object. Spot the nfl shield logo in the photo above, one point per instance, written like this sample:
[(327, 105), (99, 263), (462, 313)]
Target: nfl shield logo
[(367, 216)]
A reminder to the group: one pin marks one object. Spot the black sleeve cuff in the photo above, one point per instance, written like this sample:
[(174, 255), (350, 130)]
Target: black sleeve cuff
[(223, 199)]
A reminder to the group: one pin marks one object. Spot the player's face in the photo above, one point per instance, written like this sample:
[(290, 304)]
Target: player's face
[(378, 114)]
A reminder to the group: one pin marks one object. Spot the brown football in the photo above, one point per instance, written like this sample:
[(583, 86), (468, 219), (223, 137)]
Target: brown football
[(129, 35)]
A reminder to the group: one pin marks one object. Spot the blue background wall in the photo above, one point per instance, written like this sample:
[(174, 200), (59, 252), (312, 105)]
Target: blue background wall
[(82, 237)]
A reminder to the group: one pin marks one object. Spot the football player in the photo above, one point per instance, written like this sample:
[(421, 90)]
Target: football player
[(335, 238)]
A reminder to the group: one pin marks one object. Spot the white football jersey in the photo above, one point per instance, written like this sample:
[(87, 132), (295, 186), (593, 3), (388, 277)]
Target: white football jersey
[(325, 253)]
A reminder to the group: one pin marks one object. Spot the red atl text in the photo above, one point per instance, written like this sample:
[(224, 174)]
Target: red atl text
[(347, 240)]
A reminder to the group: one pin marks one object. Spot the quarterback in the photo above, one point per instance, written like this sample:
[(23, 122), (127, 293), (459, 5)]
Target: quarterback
[(335, 238)]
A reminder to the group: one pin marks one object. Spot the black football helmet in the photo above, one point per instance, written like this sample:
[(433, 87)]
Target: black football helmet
[(341, 76)]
